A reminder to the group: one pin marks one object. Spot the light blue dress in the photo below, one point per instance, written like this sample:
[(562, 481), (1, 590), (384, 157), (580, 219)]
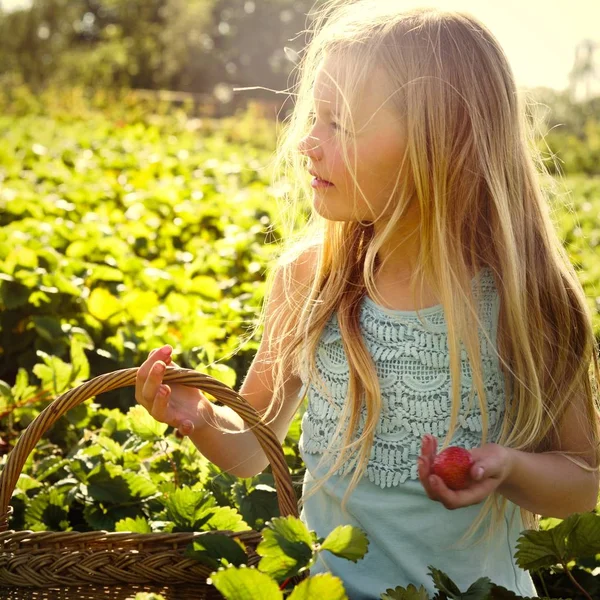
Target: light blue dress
[(407, 531)]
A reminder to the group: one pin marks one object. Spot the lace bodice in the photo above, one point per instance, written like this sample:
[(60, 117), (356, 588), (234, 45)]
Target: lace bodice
[(412, 362)]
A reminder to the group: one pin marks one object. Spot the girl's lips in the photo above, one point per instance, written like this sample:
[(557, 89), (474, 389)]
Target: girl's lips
[(320, 183)]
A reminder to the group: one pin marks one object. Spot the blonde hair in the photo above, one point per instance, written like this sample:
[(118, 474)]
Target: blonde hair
[(474, 171)]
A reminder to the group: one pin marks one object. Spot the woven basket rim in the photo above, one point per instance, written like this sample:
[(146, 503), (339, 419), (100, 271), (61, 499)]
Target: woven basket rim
[(124, 378)]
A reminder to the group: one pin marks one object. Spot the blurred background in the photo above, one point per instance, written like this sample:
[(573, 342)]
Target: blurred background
[(209, 47)]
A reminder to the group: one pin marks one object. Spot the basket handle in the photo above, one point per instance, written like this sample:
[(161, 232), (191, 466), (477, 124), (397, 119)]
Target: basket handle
[(125, 377)]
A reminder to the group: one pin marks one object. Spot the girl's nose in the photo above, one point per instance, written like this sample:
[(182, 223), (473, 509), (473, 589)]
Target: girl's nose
[(309, 145)]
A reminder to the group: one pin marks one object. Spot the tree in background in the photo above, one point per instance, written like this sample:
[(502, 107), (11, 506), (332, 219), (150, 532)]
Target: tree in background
[(189, 45)]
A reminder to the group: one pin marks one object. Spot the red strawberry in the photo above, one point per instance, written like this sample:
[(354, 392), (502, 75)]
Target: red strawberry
[(453, 466)]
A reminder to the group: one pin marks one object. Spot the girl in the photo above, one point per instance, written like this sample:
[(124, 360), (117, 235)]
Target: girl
[(426, 297)]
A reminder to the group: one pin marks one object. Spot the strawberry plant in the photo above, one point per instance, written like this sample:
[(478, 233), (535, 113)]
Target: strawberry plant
[(123, 229)]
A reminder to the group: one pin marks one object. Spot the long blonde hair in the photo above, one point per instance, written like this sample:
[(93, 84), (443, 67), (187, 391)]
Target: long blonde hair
[(474, 171)]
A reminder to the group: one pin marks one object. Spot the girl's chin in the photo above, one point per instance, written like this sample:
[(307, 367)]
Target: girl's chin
[(331, 215)]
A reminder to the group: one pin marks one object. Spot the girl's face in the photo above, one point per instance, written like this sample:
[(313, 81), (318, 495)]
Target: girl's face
[(379, 150)]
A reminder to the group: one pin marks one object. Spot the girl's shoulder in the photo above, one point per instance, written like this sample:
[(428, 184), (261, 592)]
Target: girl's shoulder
[(296, 270), (290, 281)]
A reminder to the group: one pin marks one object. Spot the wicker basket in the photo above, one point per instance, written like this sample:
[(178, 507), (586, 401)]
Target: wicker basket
[(111, 565)]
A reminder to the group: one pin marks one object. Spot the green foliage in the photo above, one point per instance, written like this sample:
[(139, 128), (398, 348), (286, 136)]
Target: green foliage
[(409, 593), (286, 549), (289, 549), (245, 584), (578, 536), (217, 548), (346, 542), (118, 237), (322, 585), (119, 261), (569, 131), (192, 45)]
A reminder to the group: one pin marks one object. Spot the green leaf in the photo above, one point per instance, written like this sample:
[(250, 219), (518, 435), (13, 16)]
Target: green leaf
[(140, 485), (206, 286), (182, 506), (347, 542), (584, 539), (192, 510), (409, 593), (257, 499), (141, 304), (26, 483), (223, 373), (113, 448), (443, 583), (55, 373), (322, 585), (137, 525), (243, 583), (48, 511), (286, 547), (48, 466), (104, 273), (480, 590), (6, 391), (578, 536), (47, 328), (22, 390), (100, 517), (211, 548), (113, 485), (13, 294), (144, 425), (501, 593), (220, 518), (81, 366), (102, 304)]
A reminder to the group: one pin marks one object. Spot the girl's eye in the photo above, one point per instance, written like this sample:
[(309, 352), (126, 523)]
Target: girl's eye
[(312, 116)]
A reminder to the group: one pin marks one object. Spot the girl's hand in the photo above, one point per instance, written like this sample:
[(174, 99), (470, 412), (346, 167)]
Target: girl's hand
[(179, 406), (491, 467)]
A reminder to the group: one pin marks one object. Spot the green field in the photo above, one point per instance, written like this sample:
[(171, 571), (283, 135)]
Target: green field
[(122, 232)]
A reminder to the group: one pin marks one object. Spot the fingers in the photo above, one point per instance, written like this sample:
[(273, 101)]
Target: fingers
[(425, 462), (458, 499), (160, 403), (484, 473), (148, 378), (160, 411), (429, 447)]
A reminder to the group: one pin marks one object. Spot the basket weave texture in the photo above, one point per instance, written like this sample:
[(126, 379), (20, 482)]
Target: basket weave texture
[(74, 565)]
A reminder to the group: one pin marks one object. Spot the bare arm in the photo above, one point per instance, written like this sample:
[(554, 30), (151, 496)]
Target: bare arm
[(554, 484), (550, 484), (239, 452)]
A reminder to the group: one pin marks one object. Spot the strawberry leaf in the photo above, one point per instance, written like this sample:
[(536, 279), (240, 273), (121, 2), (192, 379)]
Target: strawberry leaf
[(443, 583), (322, 585), (577, 536), (409, 593), (212, 548), (242, 583), (286, 547), (480, 590), (347, 542), (137, 525), (144, 425)]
